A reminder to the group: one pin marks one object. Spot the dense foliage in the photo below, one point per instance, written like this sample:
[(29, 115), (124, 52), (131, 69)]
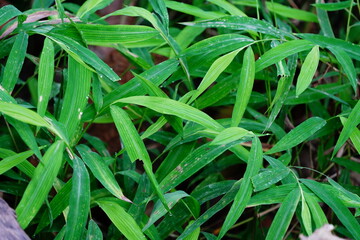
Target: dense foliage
[(237, 119)]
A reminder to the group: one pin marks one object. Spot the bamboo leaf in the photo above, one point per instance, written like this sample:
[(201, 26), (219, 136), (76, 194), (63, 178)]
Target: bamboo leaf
[(280, 52), (90, 6), (172, 107), (305, 216), (244, 194), (245, 87), (159, 210), (135, 146), (299, 134), (75, 99), (308, 70), (46, 76), (15, 62), (324, 21), (12, 161), (105, 35), (27, 116), (192, 10), (290, 12), (8, 12), (328, 42), (101, 171), (228, 7), (121, 219), (231, 134), (40, 184), (284, 215), (225, 200), (79, 205), (242, 23), (218, 66), (212, 47), (57, 205), (355, 136), (192, 163), (94, 232), (317, 213), (83, 55), (349, 126), (347, 64), (157, 75), (335, 6), (26, 135), (337, 206)]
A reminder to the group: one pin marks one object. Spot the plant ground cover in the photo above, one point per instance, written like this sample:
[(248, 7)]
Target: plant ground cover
[(238, 120)]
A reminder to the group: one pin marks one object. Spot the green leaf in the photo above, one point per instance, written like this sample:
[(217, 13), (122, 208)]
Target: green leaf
[(75, 99), (135, 147), (282, 91), (101, 171), (269, 177), (94, 232), (134, 11), (46, 76), (105, 35), (26, 134), (121, 219), (353, 197), (15, 62), (83, 55), (42, 3), (192, 10), (308, 70), (159, 210), (172, 107), (298, 135), (284, 215), (335, 6), (231, 134), (243, 195), (347, 163), (157, 75), (280, 52), (245, 87), (242, 23), (27, 116), (336, 205), (355, 137), (195, 234), (228, 7), (229, 196), (37, 190), (79, 205), (212, 47), (305, 216), (192, 163), (12, 161), (160, 9), (57, 205), (317, 213), (328, 42), (324, 21), (289, 12), (218, 66), (351, 123), (347, 64), (8, 12), (90, 6)]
